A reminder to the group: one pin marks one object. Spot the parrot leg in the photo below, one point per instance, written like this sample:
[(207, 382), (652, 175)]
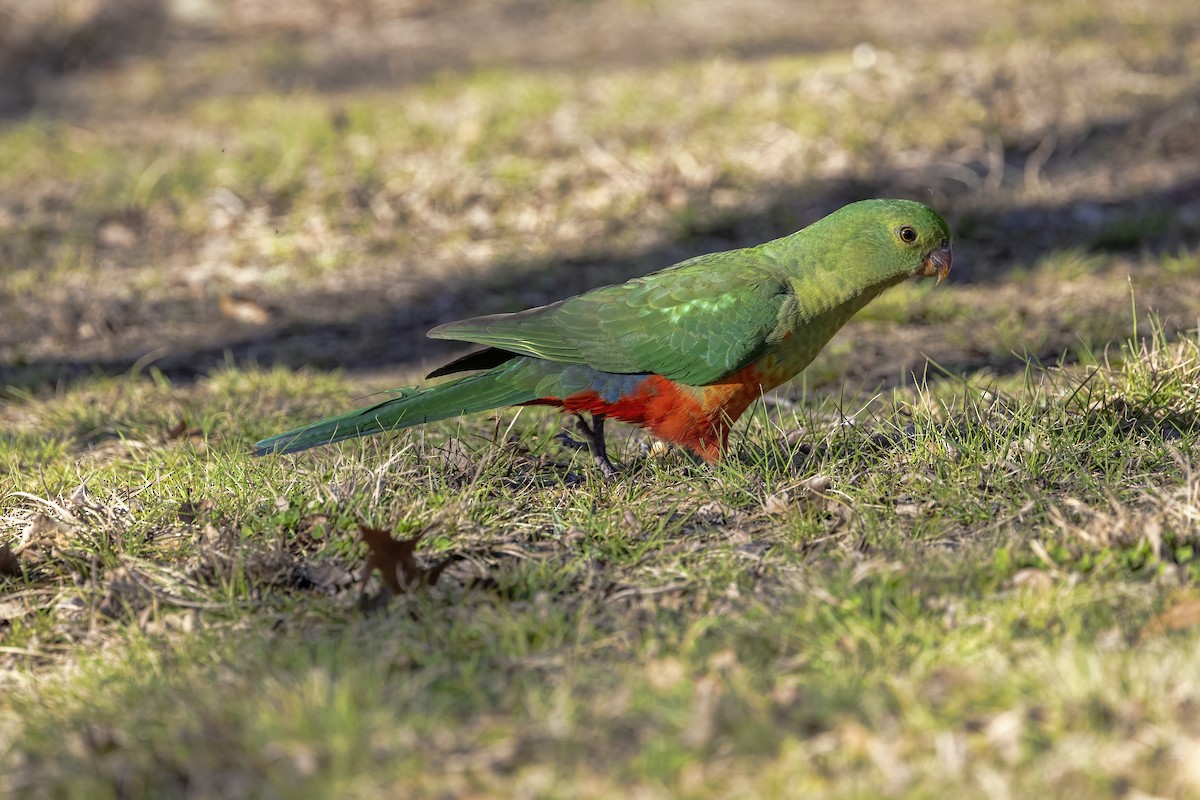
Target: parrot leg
[(593, 440)]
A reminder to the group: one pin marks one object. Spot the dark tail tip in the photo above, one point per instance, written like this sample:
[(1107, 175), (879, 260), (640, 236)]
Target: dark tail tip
[(480, 359)]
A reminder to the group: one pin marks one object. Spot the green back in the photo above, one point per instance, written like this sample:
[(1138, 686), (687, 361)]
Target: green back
[(707, 317)]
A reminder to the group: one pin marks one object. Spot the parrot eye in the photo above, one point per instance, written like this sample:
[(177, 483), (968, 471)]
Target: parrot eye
[(907, 234)]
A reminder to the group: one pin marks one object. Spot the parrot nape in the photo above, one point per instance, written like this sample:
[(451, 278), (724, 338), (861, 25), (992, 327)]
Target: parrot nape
[(681, 352)]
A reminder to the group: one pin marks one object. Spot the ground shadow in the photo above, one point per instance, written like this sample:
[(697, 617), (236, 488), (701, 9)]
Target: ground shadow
[(35, 55), (377, 337), (993, 235)]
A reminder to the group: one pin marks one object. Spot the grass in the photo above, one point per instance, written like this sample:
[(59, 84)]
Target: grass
[(971, 600), (958, 556)]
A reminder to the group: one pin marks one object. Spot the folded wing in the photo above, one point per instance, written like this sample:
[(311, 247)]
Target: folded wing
[(694, 323)]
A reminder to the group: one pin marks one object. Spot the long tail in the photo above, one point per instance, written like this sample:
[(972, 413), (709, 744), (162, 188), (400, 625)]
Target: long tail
[(478, 392)]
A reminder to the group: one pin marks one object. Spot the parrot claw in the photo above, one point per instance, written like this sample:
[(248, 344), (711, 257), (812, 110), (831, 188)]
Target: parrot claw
[(566, 440), (593, 440)]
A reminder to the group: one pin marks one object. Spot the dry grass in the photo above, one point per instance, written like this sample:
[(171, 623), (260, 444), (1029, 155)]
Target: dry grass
[(975, 577)]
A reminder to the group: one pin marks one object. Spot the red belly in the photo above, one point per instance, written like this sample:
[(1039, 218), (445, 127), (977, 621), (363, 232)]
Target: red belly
[(696, 417)]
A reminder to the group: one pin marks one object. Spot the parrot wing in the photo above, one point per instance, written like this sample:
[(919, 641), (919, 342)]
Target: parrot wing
[(694, 323)]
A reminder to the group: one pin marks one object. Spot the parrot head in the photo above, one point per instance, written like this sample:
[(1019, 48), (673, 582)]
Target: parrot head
[(898, 238), (921, 235)]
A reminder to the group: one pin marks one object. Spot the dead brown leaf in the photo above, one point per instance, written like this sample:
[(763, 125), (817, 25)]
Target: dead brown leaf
[(396, 559), (180, 430), (190, 510), (10, 565), (777, 503)]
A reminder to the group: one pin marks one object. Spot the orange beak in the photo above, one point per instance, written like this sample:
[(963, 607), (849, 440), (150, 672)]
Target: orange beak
[(937, 262)]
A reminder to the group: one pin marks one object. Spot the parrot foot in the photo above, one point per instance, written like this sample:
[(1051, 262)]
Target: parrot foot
[(593, 440)]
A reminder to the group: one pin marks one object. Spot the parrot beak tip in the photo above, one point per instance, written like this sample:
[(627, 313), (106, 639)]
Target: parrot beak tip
[(937, 263)]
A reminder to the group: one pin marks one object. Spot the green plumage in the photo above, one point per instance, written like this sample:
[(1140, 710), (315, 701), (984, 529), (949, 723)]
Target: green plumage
[(696, 323), (692, 323), (709, 316), (413, 406)]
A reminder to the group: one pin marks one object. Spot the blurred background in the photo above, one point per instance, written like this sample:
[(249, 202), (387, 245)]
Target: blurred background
[(187, 183)]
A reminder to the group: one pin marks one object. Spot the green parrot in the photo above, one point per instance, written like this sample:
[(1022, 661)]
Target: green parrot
[(681, 352)]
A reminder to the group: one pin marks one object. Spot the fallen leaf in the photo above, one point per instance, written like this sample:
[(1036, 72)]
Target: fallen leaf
[(777, 503), (180, 430), (211, 537), (187, 512), (396, 559), (190, 510), (658, 449), (10, 565), (571, 537)]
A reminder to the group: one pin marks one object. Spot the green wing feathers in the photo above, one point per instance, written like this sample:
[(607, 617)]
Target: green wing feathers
[(478, 392), (693, 323)]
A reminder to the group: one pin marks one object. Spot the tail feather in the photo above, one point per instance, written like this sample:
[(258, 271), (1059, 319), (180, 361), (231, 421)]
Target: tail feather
[(478, 392)]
